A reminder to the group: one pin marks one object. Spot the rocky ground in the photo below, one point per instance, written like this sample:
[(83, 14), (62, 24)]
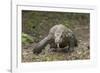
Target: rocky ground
[(82, 52)]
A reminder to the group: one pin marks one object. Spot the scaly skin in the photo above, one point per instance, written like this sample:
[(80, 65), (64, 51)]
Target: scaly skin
[(59, 37)]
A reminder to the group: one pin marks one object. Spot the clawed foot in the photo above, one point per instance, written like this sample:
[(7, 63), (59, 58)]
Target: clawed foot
[(66, 49), (37, 51), (52, 50), (70, 49)]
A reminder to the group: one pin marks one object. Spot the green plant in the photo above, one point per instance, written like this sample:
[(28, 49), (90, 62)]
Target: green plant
[(26, 39)]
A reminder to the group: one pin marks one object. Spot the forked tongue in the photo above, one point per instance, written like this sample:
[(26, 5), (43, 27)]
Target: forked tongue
[(58, 45)]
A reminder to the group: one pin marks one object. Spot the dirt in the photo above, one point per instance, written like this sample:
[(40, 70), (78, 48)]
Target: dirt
[(82, 52)]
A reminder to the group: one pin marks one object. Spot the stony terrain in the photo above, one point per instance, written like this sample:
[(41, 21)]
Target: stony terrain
[(82, 52)]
